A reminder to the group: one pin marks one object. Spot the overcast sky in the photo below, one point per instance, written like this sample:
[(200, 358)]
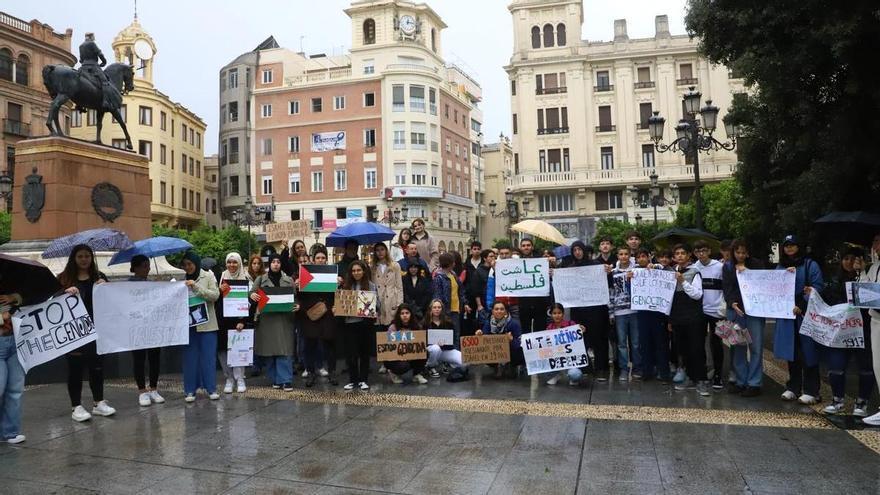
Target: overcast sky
[(194, 38)]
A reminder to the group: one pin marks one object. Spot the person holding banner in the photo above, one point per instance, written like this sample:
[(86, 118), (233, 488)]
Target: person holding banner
[(11, 374), (200, 354), (273, 335), (748, 360), (873, 275), (501, 323), (359, 334), (235, 271), (532, 310), (319, 330), (686, 319), (803, 371), (557, 321), (80, 275), (404, 321), (627, 325), (438, 319), (593, 317), (140, 269), (653, 333)]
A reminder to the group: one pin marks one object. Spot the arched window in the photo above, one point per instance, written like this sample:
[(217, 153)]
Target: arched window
[(548, 35), (6, 64), (536, 37), (22, 70), (560, 34), (433, 40), (369, 32)]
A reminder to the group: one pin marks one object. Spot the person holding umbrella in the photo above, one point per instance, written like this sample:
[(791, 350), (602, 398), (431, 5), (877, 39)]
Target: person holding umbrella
[(140, 269), (200, 354)]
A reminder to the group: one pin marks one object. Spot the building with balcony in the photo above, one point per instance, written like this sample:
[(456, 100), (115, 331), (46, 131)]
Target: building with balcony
[(333, 139), (212, 191), (166, 132), (497, 162), (580, 109), (25, 47)]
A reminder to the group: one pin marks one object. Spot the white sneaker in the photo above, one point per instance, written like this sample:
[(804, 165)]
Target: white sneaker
[(860, 409), (214, 396), (421, 379), (16, 439), (156, 398), (731, 376), (836, 406), (808, 399), (382, 369), (103, 409), (323, 372), (788, 395), (80, 414), (228, 388), (364, 386), (240, 386), (872, 420), (305, 374), (190, 398), (394, 379), (553, 380), (144, 399), (348, 386)]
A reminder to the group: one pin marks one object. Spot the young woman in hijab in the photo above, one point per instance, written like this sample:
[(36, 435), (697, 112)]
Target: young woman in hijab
[(200, 354), (140, 270), (359, 334), (273, 338), (80, 276), (235, 270), (318, 327)]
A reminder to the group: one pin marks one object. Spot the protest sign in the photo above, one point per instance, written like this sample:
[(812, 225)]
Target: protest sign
[(554, 350), (198, 310), (355, 303), (275, 300), (768, 293), (140, 315), (581, 286), (838, 326), (317, 278), (282, 231), (51, 329), (485, 349), (620, 292), (866, 295), (235, 301), (240, 347), (652, 290), (408, 345), (438, 336), (524, 277)]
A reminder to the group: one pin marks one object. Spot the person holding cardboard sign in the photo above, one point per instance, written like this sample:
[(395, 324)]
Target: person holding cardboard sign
[(234, 280), (557, 321), (200, 355), (436, 319), (404, 321), (359, 333), (501, 323)]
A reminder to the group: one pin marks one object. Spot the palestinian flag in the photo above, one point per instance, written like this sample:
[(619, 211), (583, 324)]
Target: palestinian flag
[(275, 300), (317, 278)]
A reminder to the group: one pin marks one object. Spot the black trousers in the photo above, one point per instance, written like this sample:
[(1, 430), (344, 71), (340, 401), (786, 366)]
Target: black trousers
[(86, 357), (716, 346), (533, 314), (140, 356), (359, 340), (802, 378), (328, 349), (691, 339), (401, 367), (595, 319)]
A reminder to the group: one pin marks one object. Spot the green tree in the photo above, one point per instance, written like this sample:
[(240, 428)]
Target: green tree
[(5, 227), (726, 212), (810, 120), (208, 242), (617, 230)]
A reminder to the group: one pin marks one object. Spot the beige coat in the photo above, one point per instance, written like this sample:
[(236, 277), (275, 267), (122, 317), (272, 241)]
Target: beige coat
[(428, 250), (390, 289), (206, 288)]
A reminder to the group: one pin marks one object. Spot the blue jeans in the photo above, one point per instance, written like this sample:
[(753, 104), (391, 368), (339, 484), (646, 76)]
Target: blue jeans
[(628, 328), (279, 369), (199, 362), (654, 344), (748, 360), (11, 388)]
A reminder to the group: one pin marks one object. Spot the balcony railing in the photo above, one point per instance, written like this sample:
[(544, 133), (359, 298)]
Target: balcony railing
[(233, 157), (643, 85), (606, 128), (641, 126), (603, 87), (638, 175), (551, 91), (412, 67), (687, 81), (553, 130), (16, 128)]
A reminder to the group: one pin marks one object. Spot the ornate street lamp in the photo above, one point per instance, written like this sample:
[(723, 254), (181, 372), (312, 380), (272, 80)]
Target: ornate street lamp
[(5, 189)]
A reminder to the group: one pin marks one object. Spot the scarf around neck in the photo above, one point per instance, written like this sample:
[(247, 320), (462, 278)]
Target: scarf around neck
[(499, 326)]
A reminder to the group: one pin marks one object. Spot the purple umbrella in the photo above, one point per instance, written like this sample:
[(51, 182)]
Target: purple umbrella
[(97, 239)]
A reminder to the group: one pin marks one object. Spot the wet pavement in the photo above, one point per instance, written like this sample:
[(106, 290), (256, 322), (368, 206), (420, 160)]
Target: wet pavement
[(480, 436)]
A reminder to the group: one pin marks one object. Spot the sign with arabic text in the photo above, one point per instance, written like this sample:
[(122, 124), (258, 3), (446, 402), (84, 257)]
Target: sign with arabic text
[(524, 277)]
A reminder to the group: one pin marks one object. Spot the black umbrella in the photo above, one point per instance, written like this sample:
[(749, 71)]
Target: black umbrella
[(208, 263), (32, 280), (679, 235), (858, 227)]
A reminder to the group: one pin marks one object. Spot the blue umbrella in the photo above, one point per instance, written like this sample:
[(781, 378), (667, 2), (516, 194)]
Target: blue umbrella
[(151, 248), (360, 232), (97, 239)]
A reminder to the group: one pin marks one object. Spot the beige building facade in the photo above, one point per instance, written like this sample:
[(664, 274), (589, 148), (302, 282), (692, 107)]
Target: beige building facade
[(212, 192), (167, 133), (579, 117), (497, 161)]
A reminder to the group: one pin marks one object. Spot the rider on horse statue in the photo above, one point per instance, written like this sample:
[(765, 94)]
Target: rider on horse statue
[(92, 60)]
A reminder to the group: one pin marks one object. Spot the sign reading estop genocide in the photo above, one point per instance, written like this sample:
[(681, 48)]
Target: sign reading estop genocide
[(51, 329), (407, 345)]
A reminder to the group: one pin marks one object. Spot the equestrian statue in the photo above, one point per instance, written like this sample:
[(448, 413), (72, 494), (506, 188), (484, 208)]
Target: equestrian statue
[(90, 87)]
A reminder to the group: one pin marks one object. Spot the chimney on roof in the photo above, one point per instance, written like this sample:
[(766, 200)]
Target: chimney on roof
[(661, 26), (620, 30)]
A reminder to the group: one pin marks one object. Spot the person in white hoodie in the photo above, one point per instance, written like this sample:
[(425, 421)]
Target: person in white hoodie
[(874, 276), (713, 304)]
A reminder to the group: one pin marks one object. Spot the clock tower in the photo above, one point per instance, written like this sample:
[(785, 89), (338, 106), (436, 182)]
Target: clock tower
[(383, 23), (135, 47)]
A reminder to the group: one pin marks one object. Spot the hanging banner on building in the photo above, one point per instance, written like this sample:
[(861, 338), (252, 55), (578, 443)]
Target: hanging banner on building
[(554, 350), (838, 326), (328, 141), (524, 277), (581, 286), (652, 290), (768, 293), (407, 345), (51, 329), (240, 347), (140, 315)]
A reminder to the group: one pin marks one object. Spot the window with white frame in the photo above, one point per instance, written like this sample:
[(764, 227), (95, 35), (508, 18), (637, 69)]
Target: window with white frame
[(369, 138), (267, 185), (435, 143), (370, 99), (397, 98), (293, 107), (267, 146), (399, 135), (448, 186), (340, 179), (233, 78), (399, 174), (369, 66), (293, 144), (339, 103), (417, 131), (648, 155), (448, 145), (294, 180), (370, 178), (457, 150), (317, 105), (317, 181), (606, 157), (267, 76), (417, 98), (266, 110), (432, 100), (435, 174), (419, 174), (233, 111), (458, 185), (555, 202)]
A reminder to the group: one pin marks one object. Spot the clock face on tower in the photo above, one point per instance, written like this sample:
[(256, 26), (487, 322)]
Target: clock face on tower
[(408, 24)]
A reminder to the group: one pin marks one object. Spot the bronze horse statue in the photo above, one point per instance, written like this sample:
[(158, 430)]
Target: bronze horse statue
[(65, 83)]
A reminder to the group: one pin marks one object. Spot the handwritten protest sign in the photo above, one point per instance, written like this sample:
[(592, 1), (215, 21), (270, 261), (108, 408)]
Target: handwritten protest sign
[(554, 350), (581, 286), (768, 293), (838, 326), (282, 231), (51, 329), (441, 337), (240, 347), (407, 345), (485, 349), (865, 294), (140, 315), (620, 293), (355, 303), (198, 310), (525, 277), (235, 301), (652, 290)]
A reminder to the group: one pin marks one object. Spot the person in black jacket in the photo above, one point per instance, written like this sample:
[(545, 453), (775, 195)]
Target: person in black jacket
[(532, 310), (594, 318), (475, 283), (416, 288), (748, 361)]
